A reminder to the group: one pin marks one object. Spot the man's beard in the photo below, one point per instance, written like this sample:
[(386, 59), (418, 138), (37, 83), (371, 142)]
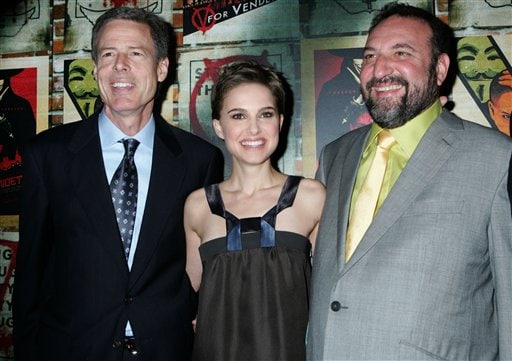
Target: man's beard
[(391, 113)]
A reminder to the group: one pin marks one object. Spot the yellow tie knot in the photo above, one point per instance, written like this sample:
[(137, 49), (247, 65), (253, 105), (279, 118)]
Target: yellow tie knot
[(385, 140)]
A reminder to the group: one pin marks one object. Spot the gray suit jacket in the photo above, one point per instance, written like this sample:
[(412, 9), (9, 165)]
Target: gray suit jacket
[(432, 277)]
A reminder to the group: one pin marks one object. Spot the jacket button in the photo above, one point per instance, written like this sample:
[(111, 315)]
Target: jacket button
[(335, 306)]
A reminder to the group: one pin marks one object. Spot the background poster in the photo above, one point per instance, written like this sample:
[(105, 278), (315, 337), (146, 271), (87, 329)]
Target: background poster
[(29, 83), (323, 16), (82, 96), (8, 247), (82, 15), (23, 112), (332, 104), (479, 13), (239, 20), (24, 25), (482, 61)]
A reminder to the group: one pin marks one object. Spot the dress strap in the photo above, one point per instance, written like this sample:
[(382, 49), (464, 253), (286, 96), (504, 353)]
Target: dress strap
[(214, 199), (235, 227), (288, 193), (268, 221)]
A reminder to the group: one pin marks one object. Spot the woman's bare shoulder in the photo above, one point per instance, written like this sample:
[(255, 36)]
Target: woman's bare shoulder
[(196, 204), (312, 186), (196, 196), (311, 194)]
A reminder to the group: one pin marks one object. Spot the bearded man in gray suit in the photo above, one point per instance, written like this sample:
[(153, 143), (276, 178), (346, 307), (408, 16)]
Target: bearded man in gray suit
[(431, 276)]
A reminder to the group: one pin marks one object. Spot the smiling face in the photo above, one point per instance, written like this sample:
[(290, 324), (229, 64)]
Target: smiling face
[(127, 70), (398, 78), (249, 123)]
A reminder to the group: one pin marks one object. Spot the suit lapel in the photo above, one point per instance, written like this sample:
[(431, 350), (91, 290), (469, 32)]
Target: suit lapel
[(436, 146), (348, 165), (338, 171), (87, 174), (167, 173)]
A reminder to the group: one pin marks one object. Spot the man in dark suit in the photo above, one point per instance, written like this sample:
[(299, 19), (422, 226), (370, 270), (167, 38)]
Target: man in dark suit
[(83, 291)]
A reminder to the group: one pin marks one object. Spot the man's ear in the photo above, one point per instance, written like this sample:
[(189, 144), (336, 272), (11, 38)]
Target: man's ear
[(218, 129), (442, 67), (163, 69), (491, 107)]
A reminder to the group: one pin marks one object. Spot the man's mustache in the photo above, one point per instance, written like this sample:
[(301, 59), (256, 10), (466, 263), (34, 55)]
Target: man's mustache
[(387, 79)]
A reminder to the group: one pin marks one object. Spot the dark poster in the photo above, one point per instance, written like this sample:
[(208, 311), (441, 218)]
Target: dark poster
[(339, 104), (18, 96)]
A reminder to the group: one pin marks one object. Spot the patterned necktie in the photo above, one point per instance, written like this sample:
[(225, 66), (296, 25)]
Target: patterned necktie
[(123, 187), (366, 203)]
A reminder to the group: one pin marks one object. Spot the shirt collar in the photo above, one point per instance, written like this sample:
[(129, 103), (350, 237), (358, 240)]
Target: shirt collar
[(409, 135), (110, 134)]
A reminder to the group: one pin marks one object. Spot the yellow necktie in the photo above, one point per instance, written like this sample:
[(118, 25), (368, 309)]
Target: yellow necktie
[(366, 203)]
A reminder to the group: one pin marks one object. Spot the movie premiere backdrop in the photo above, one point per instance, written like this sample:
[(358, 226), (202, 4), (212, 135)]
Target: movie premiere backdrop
[(46, 76)]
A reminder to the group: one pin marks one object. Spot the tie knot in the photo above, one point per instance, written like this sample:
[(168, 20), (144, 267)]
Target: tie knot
[(130, 145), (385, 140)]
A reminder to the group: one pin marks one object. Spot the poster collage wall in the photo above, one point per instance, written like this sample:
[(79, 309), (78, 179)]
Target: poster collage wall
[(316, 44)]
